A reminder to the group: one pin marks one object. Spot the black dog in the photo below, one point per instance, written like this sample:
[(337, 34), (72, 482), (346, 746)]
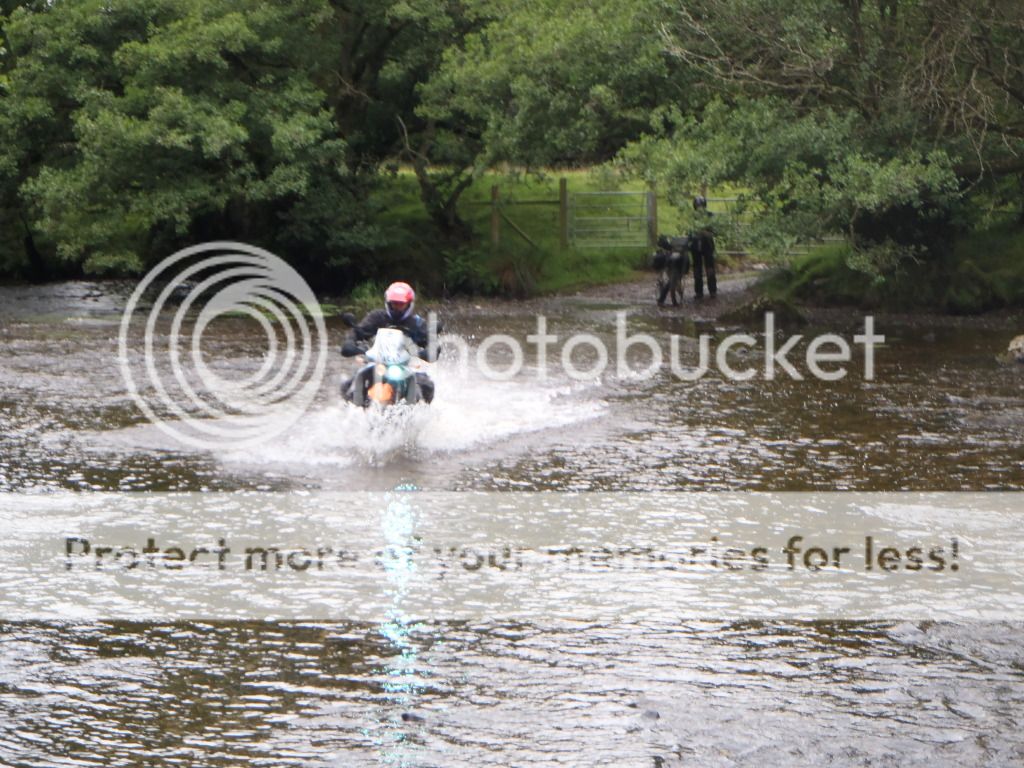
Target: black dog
[(672, 260)]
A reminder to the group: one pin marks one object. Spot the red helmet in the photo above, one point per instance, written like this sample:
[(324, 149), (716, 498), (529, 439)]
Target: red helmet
[(401, 293), (398, 299)]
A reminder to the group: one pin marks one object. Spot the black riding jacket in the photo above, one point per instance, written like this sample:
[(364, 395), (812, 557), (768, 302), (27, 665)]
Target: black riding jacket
[(414, 326)]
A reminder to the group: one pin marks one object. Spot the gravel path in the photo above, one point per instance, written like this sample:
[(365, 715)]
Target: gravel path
[(733, 291)]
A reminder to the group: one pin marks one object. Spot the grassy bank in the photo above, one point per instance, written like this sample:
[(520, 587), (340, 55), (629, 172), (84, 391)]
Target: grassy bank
[(529, 259), (984, 272)]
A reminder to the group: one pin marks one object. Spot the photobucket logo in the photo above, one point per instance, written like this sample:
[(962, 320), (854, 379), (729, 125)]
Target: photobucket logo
[(825, 358), (162, 358)]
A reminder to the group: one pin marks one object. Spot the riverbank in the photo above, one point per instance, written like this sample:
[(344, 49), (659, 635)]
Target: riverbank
[(739, 294), (983, 272)]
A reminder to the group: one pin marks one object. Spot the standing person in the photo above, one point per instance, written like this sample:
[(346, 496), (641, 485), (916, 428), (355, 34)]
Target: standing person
[(702, 246), (399, 302)]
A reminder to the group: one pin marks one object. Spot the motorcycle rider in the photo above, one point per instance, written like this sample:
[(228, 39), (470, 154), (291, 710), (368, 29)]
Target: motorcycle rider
[(399, 303)]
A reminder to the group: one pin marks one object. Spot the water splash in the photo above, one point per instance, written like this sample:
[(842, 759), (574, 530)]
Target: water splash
[(468, 412)]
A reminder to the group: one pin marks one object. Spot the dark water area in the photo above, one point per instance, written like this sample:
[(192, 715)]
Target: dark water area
[(942, 413), (497, 694)]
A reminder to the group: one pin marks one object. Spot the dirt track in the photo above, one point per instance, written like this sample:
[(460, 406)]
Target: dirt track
[(733, 290)]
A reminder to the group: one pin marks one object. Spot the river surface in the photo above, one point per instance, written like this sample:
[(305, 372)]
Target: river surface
[(941, 413)]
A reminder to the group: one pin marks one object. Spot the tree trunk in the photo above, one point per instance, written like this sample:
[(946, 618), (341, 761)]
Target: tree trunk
[(443, 209), (37, 271), (440, 192)]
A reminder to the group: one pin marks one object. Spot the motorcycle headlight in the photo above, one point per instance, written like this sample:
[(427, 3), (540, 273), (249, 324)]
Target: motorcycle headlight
[(395, 373)]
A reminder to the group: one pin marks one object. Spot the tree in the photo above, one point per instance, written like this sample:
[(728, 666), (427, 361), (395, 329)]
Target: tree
[(186, 118), (71, 51), (133, 126), (838, 115), (387, 53), (547, 92)]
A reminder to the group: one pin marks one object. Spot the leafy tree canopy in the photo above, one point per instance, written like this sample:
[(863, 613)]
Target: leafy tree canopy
[(133, 126), (129, 127), (557, 82), (168, 117), (873, 120)]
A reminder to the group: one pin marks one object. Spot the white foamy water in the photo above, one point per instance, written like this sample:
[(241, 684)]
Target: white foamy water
[(468, 412)]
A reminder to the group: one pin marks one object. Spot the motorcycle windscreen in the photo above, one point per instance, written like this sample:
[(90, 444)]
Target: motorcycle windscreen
[(389, 347)]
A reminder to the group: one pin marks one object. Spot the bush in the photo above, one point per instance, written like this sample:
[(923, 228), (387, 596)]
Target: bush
[(467, 272), (366, 296), (970, 290), (823, 276), (983, 271)]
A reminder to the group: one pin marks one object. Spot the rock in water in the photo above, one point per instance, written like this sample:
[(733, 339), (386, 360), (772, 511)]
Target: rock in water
[(1016, 349), (753, 312)]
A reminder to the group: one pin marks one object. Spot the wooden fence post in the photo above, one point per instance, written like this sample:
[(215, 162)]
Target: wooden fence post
[(563, 213), (495, 218)]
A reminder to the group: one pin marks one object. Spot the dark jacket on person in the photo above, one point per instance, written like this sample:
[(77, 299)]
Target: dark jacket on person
[(702, 248), (414, 326)]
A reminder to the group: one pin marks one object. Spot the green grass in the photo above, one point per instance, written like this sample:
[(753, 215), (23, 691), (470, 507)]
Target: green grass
[(822, 276), (517, 266)]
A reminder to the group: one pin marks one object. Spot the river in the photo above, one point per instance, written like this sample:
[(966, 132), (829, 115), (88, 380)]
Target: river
[(941, 413)]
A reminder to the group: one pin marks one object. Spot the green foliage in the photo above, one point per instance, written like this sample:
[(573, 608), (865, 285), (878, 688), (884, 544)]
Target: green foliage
[(129, 128), (823, 276), (467, 271), (366, 296), (845, 118), (196, 115), (549, 92), (990, 265), (806, 176), (984, 272), (134, 126)]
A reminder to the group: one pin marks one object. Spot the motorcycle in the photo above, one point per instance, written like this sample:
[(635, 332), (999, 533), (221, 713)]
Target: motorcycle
[(387, 374), (671, 262)]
